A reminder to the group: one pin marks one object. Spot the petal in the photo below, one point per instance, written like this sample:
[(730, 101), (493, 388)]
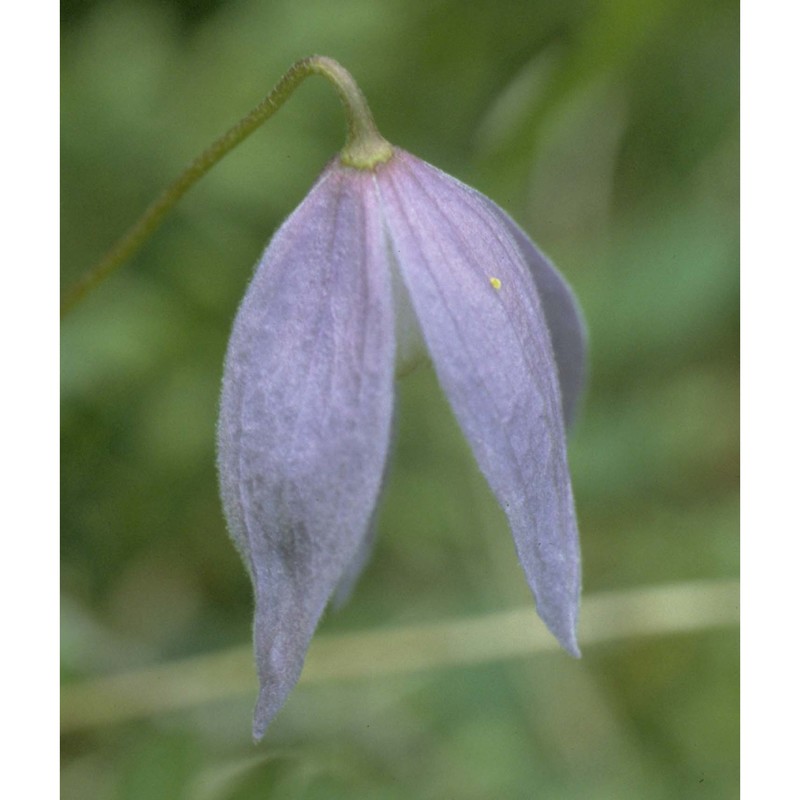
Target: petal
[(349, 578), (492, 352), (352, 572), (305, 416), (562, 314)]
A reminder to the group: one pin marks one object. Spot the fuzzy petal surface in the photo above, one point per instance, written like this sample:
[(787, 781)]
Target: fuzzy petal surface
[(305, 416), (564, 319), (352, 573), (483, 321)]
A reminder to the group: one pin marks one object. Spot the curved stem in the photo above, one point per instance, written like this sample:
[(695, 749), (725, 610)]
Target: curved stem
[(364, 149)]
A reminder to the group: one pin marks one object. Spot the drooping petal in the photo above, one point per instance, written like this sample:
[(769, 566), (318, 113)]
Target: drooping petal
[(352, 572), (305, 416), (563, 315), (484, 325)]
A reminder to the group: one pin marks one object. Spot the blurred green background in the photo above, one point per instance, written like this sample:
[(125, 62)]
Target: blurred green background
[(609, 130)]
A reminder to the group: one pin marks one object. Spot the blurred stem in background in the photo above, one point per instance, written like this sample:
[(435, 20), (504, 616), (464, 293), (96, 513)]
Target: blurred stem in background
[(608, 616)]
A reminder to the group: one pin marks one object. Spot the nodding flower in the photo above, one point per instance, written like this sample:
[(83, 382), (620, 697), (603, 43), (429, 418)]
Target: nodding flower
[(379, 258)]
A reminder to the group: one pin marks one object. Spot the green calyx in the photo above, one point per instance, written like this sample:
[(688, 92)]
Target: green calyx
[(366, 152)]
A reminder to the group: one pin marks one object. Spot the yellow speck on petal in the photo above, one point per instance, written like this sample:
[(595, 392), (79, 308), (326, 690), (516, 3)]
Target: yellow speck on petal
[(496, 283)]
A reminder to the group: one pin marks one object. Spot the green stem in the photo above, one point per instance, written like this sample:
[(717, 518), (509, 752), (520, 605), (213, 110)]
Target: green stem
[(364, 149), (606, 617)]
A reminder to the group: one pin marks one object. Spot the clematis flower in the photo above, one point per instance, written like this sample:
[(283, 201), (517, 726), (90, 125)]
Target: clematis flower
[(372, 261)]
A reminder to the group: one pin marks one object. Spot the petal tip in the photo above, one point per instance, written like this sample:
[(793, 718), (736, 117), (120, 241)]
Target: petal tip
[(259, 730), (572, 648), (269, 703), (563, 624)]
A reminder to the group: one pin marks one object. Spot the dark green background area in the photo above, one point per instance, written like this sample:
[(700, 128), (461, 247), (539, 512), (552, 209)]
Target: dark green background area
[(609, 130)]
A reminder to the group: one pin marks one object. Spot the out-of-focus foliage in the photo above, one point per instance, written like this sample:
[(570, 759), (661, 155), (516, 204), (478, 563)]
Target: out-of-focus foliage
[(609, 130)]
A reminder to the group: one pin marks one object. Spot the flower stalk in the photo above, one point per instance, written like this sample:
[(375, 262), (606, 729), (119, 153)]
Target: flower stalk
[(364, 149)]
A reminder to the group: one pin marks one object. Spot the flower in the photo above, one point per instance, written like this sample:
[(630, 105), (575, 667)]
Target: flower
[(370, 257)]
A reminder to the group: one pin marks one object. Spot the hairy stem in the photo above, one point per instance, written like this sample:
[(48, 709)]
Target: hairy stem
[(364, 149)]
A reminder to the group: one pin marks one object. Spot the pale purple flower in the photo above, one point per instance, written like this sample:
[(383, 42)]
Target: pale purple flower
[(308, 390)]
